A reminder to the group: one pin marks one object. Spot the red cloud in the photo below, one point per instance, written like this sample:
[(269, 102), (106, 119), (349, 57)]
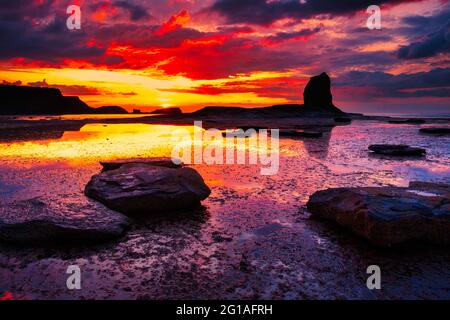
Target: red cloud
[(7, 296), (281, 87), (175, 22), (103, 11), (212, 56)]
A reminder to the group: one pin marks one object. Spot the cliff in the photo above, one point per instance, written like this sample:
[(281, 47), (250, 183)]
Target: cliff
[(168, 111), (22, 100)]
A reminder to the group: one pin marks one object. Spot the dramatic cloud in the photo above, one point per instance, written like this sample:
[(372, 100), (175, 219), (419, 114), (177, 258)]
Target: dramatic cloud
[(279, 37), (175, 22), (437, 41), (102, 10), (137, 12), (434, 83), (29, 30), (264, 12), (282, 87)]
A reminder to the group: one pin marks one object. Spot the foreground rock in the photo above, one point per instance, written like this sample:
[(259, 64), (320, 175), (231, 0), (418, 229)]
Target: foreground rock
[(389, 215), (141, 188), (302, 134), (37, 220), (160, 162), (408, 121), (397, 150), (437, 131)]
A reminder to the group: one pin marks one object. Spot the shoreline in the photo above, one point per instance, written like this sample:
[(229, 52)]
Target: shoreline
[(216, 121)]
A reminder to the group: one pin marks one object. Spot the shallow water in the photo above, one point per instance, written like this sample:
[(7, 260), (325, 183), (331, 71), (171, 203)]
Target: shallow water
[(253, 238)]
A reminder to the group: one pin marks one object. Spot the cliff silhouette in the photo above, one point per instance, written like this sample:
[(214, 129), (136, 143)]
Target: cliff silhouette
[(23, 100)]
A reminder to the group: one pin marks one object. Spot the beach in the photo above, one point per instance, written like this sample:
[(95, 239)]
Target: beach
[(253, 238)]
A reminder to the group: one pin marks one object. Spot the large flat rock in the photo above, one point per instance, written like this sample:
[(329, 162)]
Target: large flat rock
[(436, 130), (40, 220), (298, 133), (142, 188), (389, 215), (397, 150), (160, 162)]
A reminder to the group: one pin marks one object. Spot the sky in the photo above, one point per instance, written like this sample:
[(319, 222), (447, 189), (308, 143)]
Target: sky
[(149, 54)]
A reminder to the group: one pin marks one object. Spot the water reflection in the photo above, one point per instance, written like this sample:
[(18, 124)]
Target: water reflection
[(102, 142), (318, 148), (36, 133), (341, 151), (98, 141)]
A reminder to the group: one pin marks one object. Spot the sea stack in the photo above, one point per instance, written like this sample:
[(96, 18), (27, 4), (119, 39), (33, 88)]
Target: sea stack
[(317, 95)]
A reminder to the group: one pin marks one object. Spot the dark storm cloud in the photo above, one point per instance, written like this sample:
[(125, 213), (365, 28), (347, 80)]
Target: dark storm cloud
[(137, 12), (266, 12), (433, 44), (283, 36), (22, 39), (33, 30), (363, 36), (436, 41), (426, 24), (235, 29), (135, 35), (434, 83), (19, 9), (337, 59)]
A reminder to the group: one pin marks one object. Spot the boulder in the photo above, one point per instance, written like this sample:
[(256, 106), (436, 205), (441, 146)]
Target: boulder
[(239, 133), (389, 215), (136, 188), (436, 131), (408, 121), (256, 128), (397, 150), (160, 162), (302, 134), (43, 220)]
